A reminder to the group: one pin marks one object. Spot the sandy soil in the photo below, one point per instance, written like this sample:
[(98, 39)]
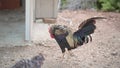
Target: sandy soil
[(103, 52)]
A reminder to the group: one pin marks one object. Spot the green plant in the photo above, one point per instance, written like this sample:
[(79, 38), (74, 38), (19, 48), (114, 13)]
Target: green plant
[(109, 5), (63, 3)]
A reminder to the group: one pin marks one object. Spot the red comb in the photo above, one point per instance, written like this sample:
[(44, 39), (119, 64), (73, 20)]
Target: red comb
[(51, 35)]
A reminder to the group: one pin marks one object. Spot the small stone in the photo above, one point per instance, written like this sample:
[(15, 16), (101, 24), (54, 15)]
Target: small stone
[(12, 59), (114, 53), (94, 61)]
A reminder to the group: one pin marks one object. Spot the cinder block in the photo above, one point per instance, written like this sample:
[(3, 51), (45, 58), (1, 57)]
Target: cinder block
[(49, 20)]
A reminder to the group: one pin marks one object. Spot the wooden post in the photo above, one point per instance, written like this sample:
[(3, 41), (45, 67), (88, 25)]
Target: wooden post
[(28, 20)]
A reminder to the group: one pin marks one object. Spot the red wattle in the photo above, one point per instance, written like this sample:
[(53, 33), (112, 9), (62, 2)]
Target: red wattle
[(51, 35)]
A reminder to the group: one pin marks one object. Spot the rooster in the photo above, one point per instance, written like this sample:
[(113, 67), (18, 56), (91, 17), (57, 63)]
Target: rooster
[(71, 40)]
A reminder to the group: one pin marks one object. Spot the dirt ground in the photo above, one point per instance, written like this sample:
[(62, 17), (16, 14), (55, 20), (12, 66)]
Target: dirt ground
[(12, 27), (103, 52)]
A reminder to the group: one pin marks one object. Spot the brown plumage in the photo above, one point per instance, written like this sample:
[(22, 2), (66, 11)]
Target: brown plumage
[(70, 40)]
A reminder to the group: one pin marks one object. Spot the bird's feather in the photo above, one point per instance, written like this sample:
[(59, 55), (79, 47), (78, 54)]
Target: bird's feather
[(88, 21)]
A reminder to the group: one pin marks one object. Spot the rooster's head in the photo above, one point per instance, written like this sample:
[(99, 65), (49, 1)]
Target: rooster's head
[(56, 30)]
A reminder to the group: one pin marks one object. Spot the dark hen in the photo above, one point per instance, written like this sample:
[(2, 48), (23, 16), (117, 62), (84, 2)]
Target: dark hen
[(35, 62)]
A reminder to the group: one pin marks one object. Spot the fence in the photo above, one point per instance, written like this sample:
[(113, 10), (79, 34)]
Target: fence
[(80, 4)]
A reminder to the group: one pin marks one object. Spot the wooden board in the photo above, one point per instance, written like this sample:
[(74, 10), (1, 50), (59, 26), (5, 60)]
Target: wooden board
[(9, 4), (46, 8)]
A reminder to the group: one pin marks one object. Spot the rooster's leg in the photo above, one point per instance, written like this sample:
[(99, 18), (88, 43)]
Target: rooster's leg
[(70, 53), (63, 55)]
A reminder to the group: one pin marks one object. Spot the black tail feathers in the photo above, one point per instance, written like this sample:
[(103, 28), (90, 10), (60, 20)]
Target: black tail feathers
[(89, 21)]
